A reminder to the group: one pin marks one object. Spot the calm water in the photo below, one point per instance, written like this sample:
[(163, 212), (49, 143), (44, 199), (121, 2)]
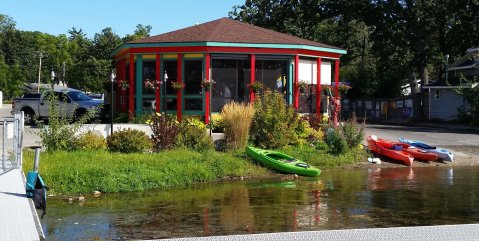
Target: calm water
[(339, 199)]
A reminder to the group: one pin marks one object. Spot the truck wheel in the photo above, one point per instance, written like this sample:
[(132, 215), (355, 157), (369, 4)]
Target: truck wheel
[(29, 116), (79, 113)]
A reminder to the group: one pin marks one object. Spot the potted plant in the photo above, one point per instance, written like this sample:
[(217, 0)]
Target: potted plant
[(152, 84), (255, 86), (177, 85), (123, 84), (303, 84), (326, 89), (343, 87), (206, 83)]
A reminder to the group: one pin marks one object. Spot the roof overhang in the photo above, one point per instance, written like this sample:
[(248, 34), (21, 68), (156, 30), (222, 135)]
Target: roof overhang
[(221, 44)]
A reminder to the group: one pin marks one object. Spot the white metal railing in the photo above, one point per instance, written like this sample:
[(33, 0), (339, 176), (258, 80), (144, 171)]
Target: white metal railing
[(12, 142)]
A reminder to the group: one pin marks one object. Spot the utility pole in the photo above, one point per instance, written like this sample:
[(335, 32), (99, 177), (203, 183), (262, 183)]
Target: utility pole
[(63, 74), (40, 70)]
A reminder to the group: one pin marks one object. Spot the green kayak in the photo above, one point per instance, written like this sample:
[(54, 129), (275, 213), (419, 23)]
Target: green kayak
[(282, 162)]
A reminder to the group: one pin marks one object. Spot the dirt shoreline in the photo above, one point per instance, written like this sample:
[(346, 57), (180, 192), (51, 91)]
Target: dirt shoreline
[(463, 156)]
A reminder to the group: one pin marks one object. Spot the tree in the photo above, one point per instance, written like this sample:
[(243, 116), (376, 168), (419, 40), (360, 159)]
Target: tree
[(105, 42), (389, 43), (140, 32)]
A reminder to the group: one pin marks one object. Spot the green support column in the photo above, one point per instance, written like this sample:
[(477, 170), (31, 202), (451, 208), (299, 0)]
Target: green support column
[(139, 85)]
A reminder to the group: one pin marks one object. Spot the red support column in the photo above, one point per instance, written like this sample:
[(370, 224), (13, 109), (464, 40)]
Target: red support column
[(158, 80), (118, 77), (318, 87), (131, 109), (336, 92), (296, 82), (252, 76), (123, 92), (179, 91), (207, 91)]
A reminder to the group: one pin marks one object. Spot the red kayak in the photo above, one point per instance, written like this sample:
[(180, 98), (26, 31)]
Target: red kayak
[(385, 148), (415, 152)]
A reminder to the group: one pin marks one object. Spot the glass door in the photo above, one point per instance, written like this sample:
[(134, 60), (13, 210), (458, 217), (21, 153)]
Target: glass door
[(193, 93)]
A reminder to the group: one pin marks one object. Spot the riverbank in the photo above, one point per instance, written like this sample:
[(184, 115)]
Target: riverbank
[(83, 172)]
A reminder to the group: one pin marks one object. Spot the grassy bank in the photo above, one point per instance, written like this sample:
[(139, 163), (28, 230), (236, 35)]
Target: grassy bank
[(89, 171), (323, 159)]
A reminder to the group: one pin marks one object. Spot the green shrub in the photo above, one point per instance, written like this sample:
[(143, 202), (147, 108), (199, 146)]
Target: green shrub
[(90, 141), (165, 129), (193, 135), (275, 124), (59, 134), (353, 133), (129, 141), (216, 124), (237, 120), (315, 121), (336, 142), (142, 118)]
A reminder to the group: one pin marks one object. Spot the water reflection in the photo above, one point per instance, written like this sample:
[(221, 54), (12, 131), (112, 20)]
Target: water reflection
[(339, 199)]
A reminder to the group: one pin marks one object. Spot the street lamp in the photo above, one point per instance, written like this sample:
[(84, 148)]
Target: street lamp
[(52, 74), (447, 67), (112, 78), (165, 78)]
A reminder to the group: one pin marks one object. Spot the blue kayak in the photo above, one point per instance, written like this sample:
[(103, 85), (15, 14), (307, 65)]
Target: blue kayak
[(441, 153)]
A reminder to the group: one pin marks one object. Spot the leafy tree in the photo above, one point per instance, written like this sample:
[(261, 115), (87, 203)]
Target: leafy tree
[(105, 42), (471, 94), (389, 43), (140, 32)]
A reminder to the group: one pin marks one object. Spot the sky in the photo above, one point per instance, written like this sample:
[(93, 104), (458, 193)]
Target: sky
[(58, 16)]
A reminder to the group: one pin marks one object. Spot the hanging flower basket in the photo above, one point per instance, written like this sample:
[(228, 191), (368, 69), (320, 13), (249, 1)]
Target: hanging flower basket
[(303, 84), (123, 84), (256, 86), (152, 84), (344, 87), (206, 83), (177, 85)]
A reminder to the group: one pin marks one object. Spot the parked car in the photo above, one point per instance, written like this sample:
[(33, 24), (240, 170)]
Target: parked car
[(72, 103)]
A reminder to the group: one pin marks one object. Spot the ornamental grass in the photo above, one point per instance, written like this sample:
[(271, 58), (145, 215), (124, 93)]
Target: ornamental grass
[(237, 119)]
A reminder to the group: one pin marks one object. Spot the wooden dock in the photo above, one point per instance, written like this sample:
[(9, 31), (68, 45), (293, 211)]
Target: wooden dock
[(465, 232), (18, 217)]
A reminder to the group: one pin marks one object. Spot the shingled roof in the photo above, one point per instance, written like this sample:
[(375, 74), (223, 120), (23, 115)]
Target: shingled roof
[(226, 30)]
